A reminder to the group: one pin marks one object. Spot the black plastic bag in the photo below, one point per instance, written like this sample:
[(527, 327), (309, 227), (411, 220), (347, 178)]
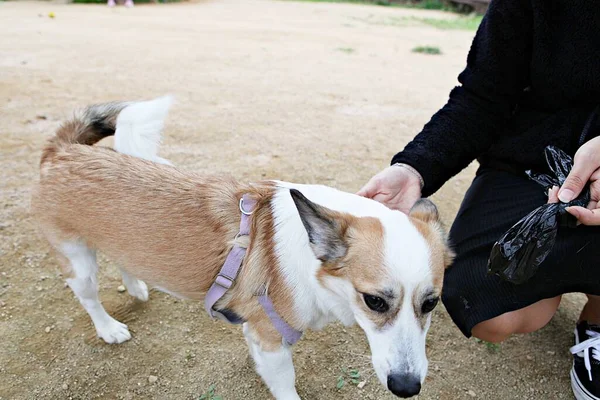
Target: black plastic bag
[(517, 256)]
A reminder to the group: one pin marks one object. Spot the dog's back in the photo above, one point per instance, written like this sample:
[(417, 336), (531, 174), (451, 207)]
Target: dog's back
[(149, 217)]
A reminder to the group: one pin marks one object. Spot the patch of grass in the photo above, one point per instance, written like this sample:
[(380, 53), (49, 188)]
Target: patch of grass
[(491, 347), (433, 5), (348, 376), (427, 50), (374, 2), (347, 50), (423, 4), (467, 23), (387, 21), (210, 394)]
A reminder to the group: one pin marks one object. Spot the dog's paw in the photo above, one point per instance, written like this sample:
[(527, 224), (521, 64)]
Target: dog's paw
[(138, 289), (113, 332)]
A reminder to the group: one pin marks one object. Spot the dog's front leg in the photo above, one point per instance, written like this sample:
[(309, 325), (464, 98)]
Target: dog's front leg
[(273, 363)]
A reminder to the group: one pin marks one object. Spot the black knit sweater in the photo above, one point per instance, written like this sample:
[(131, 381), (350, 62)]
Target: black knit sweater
[(532, 79)]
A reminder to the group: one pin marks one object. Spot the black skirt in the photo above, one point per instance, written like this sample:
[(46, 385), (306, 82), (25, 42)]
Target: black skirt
[(495, 201)]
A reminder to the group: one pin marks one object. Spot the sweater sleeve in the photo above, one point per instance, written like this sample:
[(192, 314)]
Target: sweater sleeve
[(497, 72)]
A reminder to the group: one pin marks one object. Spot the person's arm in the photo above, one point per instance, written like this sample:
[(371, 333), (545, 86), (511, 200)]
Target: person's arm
[(497, 72)]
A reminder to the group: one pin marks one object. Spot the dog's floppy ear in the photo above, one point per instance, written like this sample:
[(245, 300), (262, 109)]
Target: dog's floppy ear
[(425, 211), (325, 230)]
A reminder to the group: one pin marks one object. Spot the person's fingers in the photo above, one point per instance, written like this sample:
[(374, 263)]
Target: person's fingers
[(394, 187), (370, 189), (595, 190), (594, 195), (396, 202), (382, 198), (553, 195), (363, 192), (583, 168), (585, 216)]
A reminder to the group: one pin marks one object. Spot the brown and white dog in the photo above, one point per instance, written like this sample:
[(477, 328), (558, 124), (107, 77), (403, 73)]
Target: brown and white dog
[(323, 254)]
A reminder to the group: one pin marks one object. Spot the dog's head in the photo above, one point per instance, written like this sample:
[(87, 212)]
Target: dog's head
[(387, 271)]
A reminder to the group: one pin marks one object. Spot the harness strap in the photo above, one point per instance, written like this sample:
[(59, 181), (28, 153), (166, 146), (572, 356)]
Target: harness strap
[(289, 334), (229, 272)]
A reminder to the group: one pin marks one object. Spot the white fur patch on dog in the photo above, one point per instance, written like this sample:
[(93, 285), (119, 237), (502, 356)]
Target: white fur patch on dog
[(85, 286), (139, 129)]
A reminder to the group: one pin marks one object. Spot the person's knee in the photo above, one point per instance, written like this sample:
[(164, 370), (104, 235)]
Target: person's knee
[(495, 330), (594, 299), (525, 320)]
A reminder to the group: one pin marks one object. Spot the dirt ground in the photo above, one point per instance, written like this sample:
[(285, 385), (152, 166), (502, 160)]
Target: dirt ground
[(305, 92)]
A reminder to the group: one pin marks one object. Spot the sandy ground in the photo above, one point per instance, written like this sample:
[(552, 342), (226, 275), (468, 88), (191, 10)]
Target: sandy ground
[(321, 93)]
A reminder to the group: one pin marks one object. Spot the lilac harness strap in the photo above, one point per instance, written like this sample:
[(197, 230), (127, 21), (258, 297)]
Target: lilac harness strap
[(229, 272), (290, 335)]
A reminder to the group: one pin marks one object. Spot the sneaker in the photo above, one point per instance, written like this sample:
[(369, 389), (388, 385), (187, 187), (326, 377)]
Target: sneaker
[(585, 374), (111, 3), (128, 3)]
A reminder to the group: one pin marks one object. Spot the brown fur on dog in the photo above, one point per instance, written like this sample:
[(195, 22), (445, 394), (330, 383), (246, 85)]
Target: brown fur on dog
[(92, 125), (162, 225)]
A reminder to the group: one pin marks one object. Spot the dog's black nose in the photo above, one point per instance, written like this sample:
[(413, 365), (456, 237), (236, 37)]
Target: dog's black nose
[(404, 385)]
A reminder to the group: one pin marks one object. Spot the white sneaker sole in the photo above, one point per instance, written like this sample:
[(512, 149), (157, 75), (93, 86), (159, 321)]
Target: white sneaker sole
[(579, 391)]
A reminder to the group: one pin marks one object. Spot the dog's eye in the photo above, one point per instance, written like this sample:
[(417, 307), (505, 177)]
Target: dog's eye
[(429, 305), (376, 303)]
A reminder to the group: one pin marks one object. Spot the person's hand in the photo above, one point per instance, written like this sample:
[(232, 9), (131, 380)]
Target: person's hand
[(586, 168), (397, 187)]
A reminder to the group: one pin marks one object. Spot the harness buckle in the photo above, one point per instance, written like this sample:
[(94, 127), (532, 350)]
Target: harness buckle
[(224, 281), (242, 208)]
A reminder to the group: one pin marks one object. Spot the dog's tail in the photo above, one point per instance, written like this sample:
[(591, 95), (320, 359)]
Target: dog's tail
[(137, 128)]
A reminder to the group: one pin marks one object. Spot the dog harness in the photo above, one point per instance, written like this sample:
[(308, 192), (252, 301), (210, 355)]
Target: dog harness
[(228, 274)]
